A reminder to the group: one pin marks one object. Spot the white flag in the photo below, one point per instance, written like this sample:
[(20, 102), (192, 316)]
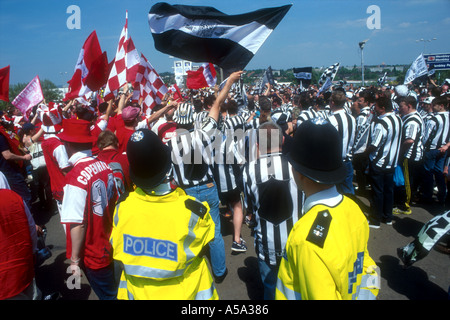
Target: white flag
[(327, 85), (417, 69)]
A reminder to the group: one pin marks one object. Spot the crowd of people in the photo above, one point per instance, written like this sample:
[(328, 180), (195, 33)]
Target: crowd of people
[(139, 194)]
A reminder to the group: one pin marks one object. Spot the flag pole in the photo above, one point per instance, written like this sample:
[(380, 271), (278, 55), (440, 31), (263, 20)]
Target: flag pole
[(361, 45)]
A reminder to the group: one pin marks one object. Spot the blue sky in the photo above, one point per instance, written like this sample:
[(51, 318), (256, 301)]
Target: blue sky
[(36, 41)]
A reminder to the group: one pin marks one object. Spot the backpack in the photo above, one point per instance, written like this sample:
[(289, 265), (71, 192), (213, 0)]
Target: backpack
[(119, 176)]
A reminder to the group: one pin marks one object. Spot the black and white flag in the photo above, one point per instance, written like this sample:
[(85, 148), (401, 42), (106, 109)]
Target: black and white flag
[(329, 72), (264, 80), (417, 69), (327, 85), (204, 34), (425, 240), (240, 94), (303, 75), (268, 77), (382, 79)]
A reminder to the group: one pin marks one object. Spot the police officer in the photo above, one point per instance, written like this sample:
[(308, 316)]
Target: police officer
[(159, 231), (326, 253)]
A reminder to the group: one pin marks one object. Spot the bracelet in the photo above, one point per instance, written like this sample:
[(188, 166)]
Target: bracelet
[(75, 261)]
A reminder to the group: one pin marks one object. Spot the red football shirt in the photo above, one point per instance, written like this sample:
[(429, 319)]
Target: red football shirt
[(89, 198), (56, 160), (112, 155)]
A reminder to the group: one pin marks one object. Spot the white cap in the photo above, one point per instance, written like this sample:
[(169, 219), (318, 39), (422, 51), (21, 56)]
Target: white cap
[(428, 100)]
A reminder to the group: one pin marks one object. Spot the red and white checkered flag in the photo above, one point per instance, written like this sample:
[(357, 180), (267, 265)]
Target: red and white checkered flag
[(149, 86), (125, 65)]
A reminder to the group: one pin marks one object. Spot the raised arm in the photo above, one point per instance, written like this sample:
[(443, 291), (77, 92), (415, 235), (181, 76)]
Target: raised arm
[(215, 109)]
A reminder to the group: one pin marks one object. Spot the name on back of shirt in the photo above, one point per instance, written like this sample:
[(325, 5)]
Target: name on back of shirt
[(88, 172)]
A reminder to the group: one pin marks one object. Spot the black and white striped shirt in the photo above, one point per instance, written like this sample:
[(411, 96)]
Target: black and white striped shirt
[(436, 131), (245, 113), (413, 128), (348, 107), (308, 114), (227, 170), (199, 118), (280, 117), (192, 155), (234, 122), (386, 134), (363, 121), (272, 195), (346, 126)]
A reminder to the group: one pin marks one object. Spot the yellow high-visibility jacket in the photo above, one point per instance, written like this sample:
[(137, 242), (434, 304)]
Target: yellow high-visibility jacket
[(326, 256), (159, 240)]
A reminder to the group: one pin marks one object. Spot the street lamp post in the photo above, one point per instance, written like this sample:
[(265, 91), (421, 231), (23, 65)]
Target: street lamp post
[(361, 46), (425, 42)]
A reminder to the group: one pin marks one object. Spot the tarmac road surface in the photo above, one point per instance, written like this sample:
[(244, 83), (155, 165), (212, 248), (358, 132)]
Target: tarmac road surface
[(427, 279)]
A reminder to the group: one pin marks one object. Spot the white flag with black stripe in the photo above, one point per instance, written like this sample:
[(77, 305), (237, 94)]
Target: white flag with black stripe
[(382, 79), (329, 72), (418, 68), (204, 34)]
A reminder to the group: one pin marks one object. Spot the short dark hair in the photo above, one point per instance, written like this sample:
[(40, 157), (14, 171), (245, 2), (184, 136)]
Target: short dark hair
[(232, 107), (384, 102), (367, 95), (102, 107), (410, 100), (440, 100), (209, 100), (265, 104), (277, 100), (296, 100), (339, 98), (84, 113), (198, 105)]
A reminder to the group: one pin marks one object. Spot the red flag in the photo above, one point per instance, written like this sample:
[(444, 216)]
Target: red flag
[(176, 92), (204, 77), (29, 97), (98, 74), (126, 63), (4, 84), (195, 79), (89, 68), (149, 86)]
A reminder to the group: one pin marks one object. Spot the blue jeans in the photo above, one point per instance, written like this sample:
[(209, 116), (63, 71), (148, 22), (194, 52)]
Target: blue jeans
[(346, 187), (105, 281), (433, 163), (269, 275), (217, 246)]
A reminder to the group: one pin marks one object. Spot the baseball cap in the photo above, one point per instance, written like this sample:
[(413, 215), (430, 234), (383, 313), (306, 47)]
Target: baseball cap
[(428, 100), (27, 127), (317, 152), (130, 113)]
